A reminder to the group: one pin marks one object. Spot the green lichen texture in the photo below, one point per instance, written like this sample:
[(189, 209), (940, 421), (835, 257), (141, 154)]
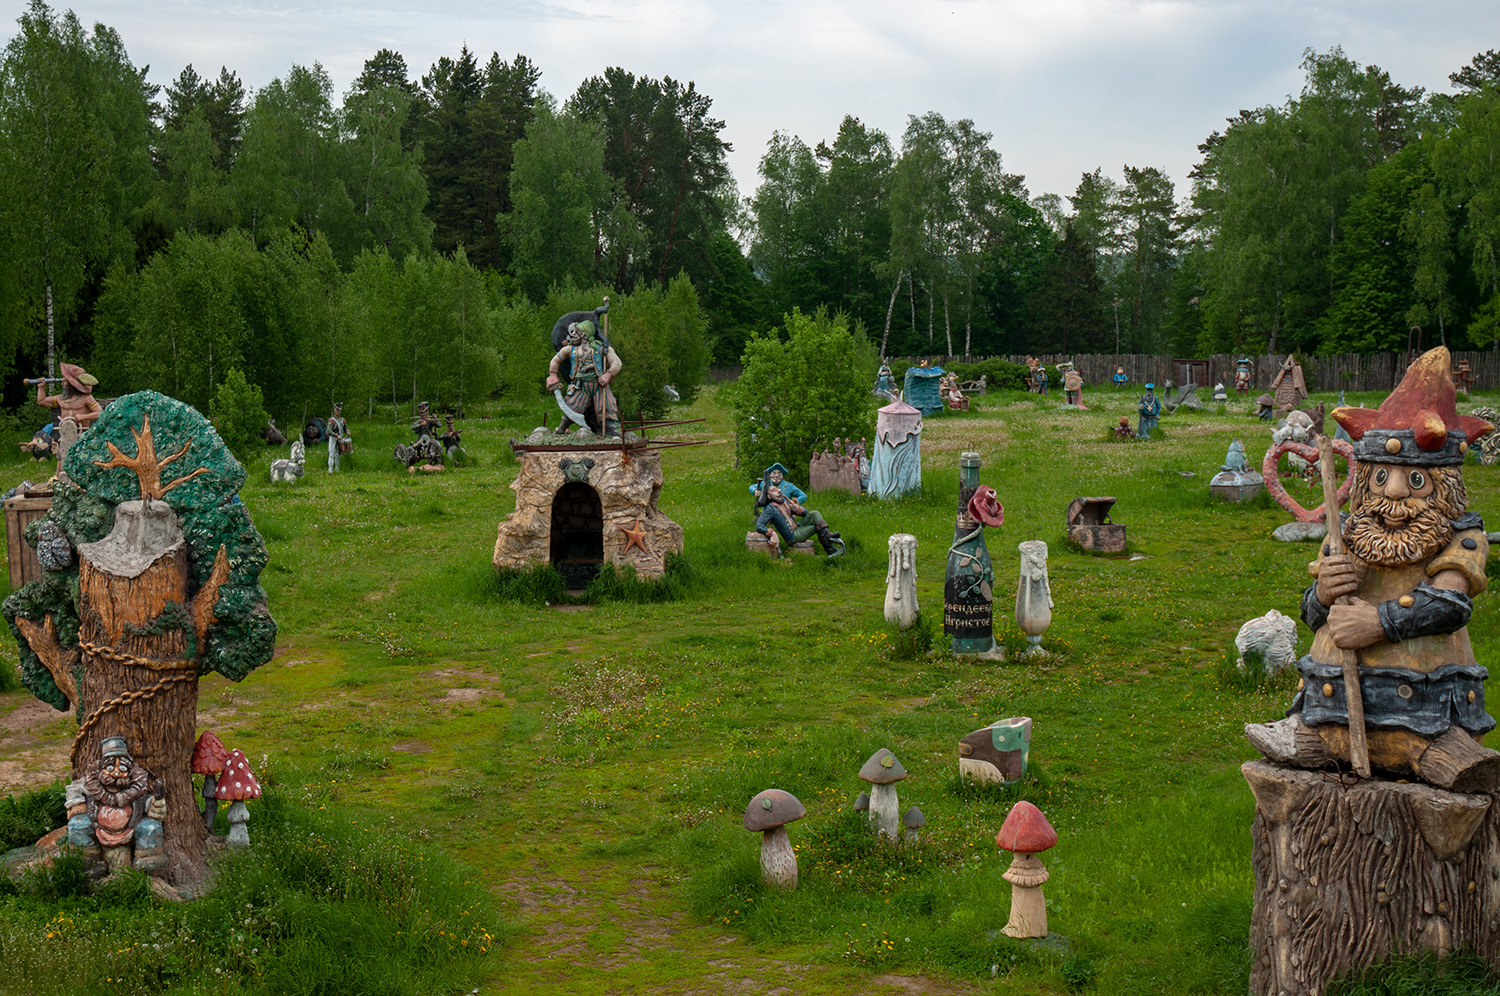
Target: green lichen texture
[(211, 516)]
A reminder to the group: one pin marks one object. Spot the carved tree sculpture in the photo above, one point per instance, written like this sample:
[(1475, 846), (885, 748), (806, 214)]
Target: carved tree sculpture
[(166, 588)]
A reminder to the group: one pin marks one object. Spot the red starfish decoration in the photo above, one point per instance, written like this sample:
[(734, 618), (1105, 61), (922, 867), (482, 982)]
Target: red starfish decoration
[(635, 536)]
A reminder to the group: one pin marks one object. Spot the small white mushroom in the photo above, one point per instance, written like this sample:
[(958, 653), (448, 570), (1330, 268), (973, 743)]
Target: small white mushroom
[(883, 771), (770, 812)]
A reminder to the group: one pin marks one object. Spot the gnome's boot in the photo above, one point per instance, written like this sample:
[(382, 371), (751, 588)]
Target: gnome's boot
[(833, 545), (1290, 741)]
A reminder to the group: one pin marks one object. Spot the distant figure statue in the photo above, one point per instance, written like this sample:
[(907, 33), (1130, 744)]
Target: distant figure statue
[(339, 441)]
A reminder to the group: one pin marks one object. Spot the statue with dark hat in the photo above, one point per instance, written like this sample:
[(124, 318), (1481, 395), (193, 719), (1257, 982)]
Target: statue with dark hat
[(779, 508)]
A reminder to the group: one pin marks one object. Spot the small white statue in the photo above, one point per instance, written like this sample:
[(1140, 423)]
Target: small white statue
[(1273, 636), (286, 471), (901, 582), (1034, 597)]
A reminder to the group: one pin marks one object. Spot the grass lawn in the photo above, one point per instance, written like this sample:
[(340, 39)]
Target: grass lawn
[(591, 764)]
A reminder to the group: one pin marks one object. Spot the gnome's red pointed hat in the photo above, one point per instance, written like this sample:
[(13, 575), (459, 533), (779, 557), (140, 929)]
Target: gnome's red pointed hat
[(1418, 423)]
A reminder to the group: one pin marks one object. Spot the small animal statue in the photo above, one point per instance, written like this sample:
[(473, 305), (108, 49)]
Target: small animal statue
[(901, 582), (288, 471), (272, 435), (1273, 636)]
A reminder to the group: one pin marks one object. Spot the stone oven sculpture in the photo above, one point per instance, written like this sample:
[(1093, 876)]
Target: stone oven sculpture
[(163, 588), (1348, 874)]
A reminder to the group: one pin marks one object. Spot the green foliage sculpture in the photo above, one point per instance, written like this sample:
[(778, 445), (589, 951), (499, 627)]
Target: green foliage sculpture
[(152, 580)]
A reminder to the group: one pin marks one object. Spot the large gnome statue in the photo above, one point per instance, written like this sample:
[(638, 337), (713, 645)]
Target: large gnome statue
[(1399, 602)]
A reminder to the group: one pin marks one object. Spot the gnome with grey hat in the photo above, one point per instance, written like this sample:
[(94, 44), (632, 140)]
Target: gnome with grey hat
[(119, 809)]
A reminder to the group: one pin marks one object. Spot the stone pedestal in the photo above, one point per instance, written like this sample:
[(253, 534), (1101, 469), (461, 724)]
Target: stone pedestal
[(582, 507), (1348, 873)]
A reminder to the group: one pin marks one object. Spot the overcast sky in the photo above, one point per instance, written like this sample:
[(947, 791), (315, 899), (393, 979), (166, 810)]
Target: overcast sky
[(1064, 85)]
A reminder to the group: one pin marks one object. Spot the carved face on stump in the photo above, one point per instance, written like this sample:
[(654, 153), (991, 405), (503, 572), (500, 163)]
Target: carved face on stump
[(1401, 514)]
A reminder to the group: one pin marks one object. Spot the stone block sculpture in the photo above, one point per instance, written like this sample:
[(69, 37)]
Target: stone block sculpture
[(996, 754)]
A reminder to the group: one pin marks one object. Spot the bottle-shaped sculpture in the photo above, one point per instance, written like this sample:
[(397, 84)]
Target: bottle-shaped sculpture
[(968, 584), (1034, 597)]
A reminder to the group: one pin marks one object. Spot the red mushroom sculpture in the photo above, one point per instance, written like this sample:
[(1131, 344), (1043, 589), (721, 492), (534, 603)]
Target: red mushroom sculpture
[(1026, 833), (237, 785), (209, 757)]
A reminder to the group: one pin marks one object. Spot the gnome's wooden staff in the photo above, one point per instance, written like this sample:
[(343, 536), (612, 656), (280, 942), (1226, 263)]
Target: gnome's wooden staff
[(1359, 750)]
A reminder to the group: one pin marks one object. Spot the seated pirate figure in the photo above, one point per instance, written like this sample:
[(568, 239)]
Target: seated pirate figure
[(1399, 600), (119, 809), (77, 399), (778, 504), (339, 440), (1120, 379), (591, 364)]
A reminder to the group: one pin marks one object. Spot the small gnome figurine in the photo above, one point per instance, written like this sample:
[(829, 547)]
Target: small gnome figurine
[(1399, 600)]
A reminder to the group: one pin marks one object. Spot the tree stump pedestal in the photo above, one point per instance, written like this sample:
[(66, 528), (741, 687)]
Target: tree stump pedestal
[(1349, 873)]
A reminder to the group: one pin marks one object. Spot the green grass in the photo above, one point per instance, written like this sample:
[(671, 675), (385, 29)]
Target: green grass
[(321, 904), (593, 764)]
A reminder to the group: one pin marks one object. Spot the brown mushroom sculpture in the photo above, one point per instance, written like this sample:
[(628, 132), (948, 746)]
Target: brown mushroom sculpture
[(913, 821), (209, 758), (883, 771), (237, 785), (1026, 833), (770, 812)]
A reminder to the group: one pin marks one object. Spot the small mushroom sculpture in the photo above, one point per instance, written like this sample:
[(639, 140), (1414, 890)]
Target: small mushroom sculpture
[(883, 771), (862, 802), (1026, 833), (770, 812), (209, 758), (237, 785), (914, 821)]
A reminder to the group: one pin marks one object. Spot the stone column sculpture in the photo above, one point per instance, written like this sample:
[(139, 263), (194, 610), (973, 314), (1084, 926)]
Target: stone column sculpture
[(901, 582), (1033, 597)]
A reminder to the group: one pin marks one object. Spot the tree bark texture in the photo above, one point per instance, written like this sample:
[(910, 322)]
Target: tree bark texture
[(138, 679), (1349, 873)]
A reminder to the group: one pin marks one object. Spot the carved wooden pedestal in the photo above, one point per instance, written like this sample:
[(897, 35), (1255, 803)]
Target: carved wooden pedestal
[(1347, 875)]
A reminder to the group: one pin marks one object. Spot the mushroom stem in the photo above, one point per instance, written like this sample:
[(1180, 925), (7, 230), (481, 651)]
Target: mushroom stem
[(778, 862), (239, 815), (885, 809), (1028, 908), (210, 804)]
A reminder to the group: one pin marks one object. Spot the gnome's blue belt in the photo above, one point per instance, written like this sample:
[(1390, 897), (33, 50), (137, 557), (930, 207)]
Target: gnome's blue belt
[(1396, 698)]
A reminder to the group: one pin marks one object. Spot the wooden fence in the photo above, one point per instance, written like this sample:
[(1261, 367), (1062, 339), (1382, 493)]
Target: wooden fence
[(1340, 372)]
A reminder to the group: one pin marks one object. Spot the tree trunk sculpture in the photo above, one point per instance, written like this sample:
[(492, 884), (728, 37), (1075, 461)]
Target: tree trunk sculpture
[(1348, 874)]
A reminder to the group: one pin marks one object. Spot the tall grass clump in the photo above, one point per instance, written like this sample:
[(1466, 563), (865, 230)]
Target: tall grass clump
[(613, 584), (321, 903), (26, 818)]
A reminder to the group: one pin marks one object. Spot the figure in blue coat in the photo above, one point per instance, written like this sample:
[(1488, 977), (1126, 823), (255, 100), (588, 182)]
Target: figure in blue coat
[(778, 504), (1150, 409)]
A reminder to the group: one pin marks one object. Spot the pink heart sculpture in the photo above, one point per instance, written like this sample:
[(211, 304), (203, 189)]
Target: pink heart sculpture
[(1309, 453)]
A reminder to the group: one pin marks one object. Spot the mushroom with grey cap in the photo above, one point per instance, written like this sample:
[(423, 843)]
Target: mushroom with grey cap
[(914, 821), (883, 771), (770, 812), (862, 802)]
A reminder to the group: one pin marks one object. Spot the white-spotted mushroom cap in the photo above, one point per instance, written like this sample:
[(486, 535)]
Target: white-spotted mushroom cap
[(914, 820), (862, 802), (209, 754), (771, 809), (882, 768), (238, 781)]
